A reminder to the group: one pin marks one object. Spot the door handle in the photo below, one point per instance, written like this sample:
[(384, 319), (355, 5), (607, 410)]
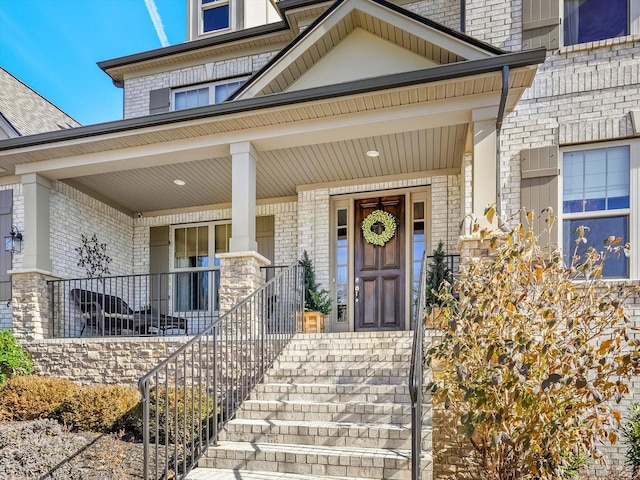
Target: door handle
[(357, 294)]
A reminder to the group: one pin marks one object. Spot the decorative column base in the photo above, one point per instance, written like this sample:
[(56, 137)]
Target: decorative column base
[(31, 303), (240, 276)]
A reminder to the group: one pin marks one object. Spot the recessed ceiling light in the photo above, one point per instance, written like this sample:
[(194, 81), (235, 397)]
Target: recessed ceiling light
[(373, 153), (179, 182)]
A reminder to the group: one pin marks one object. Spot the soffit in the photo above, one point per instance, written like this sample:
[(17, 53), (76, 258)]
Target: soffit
[(205, 54), (246, 122), (280, 172)]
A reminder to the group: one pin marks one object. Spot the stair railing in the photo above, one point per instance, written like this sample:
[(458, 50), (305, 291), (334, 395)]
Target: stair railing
[(190, 395), (416, 374)]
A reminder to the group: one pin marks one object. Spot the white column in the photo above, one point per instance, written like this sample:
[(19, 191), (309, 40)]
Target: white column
[(243, 198), (37, 254), (484, 162)]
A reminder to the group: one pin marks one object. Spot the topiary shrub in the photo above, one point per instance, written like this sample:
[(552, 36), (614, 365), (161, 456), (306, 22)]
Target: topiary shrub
[(13, 359), (33, 397), (437, 274), (315, 298), (100, 408)]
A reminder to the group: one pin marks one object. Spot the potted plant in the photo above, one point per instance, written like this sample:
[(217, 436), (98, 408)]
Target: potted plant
[(437, 273), (317, 303)]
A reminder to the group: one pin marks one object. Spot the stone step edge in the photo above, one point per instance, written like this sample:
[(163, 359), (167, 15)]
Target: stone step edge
[(223, 474), (319, 424), (307, 403), (251, 447)]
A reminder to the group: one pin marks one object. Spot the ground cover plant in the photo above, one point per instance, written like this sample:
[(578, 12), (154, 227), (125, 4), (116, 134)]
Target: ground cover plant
[(534, 356), (13, 359)]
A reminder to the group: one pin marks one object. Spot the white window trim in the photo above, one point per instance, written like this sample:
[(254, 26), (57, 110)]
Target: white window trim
[(634, 26), (212, 5), (634, 199), (212, 259), (210, 85)]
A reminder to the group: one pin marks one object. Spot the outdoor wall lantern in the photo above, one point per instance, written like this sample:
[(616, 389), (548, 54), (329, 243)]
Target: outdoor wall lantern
[(13, 242)]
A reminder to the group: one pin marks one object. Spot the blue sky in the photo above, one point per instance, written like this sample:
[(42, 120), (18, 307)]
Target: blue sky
[(53, 46)]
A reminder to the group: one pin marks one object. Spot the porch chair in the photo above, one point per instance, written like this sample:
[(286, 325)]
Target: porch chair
[(112, 315)]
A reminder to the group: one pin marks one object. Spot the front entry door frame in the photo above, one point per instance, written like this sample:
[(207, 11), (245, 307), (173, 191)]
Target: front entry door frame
[(347, 202)]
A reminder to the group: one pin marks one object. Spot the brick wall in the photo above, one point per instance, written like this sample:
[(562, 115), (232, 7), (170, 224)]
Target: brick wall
[(136, 89), (445, 12), (74, 214)]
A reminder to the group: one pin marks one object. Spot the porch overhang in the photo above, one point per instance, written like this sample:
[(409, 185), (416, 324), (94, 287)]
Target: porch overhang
[(418, 120)]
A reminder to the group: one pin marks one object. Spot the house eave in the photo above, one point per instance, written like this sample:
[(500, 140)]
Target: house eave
[(116, 67), (429, 75)]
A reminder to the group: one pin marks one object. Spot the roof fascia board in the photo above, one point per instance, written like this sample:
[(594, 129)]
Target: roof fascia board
[(433, 74)]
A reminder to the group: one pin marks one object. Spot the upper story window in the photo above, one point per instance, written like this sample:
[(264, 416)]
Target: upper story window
[(596, 194), (216, 15), (593, 20), (201, 95)]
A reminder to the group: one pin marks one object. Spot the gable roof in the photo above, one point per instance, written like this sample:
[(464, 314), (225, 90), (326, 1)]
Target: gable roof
[(408, 31), (28, 112)]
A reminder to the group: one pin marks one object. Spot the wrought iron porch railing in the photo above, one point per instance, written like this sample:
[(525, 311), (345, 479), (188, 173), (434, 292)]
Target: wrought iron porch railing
[(416, 374), (189, 396), (135, 305)]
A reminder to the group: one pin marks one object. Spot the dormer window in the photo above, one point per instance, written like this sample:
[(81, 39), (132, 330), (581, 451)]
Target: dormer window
[(204, 94), (215, 15)]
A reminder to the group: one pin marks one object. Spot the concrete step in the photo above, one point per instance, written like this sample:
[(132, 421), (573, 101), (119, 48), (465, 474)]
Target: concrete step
[(341, 364), (218, 474), (379, 463), (351, 347), (369, 376), (337, 357), (343, 434), (332, 392), (356, 412)]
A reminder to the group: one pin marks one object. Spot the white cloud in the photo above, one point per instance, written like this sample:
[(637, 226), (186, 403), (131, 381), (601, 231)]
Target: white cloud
[(157, 22)]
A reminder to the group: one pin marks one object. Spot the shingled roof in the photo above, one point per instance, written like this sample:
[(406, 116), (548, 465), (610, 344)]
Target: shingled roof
[(27, 111)]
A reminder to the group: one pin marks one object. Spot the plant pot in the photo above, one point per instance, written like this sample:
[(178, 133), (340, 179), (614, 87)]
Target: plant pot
[(314, 322)]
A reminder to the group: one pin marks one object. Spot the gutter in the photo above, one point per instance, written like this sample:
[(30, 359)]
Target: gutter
[(434, 74), (499, 119)]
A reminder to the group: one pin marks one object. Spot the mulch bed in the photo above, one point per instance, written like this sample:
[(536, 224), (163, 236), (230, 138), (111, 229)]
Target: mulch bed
[(44, 449)]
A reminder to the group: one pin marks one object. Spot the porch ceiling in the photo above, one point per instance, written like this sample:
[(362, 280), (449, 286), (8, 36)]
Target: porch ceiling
[(281, 171)]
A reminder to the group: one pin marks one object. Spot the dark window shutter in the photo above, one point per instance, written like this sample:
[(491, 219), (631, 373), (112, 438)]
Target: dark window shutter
[(159, 264), (159, 100), (539, 187), (265, 229), (6, 220), (541, 24)]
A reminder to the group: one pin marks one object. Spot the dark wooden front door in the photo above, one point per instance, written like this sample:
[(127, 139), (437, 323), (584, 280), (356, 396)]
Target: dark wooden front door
[(380, 270)]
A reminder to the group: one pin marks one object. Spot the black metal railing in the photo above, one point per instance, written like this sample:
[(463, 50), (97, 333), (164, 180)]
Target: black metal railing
[(134, 305), (416, 374), (272, 270), (453, 265), (189, 396)]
